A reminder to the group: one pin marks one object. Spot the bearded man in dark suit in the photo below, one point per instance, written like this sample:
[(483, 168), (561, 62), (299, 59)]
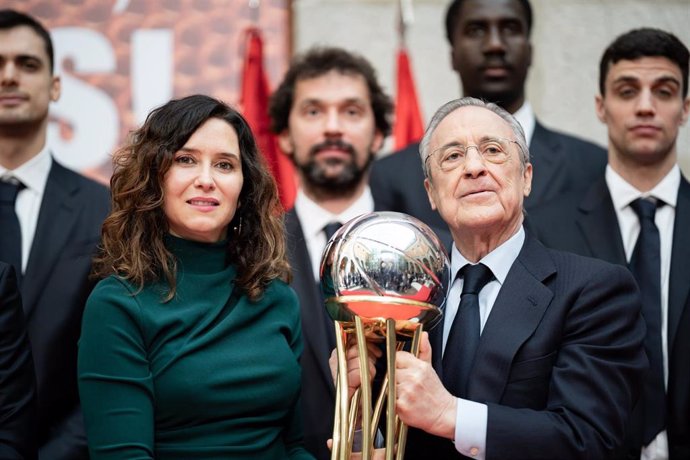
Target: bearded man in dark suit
[(331, 116)]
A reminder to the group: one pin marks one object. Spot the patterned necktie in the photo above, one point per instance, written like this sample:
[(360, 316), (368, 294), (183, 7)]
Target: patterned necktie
[(463, 338), (10, 232), (645, 265)]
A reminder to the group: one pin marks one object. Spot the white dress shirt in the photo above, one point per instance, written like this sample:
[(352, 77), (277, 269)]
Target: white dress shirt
[(622, 194), (313, 218), (34, 175), (471, 417)]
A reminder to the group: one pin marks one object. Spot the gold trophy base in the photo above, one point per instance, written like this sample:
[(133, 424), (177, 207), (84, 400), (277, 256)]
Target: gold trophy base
[(347, 413)]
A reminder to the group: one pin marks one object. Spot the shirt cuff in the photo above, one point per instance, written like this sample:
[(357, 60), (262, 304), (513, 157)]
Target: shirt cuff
[(470, 429)]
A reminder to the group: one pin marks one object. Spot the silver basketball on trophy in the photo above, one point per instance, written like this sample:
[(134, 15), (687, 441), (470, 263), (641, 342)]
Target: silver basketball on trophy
[(385, 265)]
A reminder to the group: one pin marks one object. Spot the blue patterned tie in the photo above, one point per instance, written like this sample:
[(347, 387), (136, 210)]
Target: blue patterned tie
[(463, 338), (645, 265), (10, 232)]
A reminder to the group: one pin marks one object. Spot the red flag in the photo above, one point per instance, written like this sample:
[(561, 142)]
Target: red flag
[(409, 126), (254, 100)]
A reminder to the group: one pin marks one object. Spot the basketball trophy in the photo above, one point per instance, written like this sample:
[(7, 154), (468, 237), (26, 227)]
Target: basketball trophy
[(384, 276)]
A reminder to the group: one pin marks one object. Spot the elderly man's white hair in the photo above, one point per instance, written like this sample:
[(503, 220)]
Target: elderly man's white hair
[(452, 106)]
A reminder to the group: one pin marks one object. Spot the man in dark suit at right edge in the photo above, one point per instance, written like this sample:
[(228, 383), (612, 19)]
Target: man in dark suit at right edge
[(491, 52), (643, 101), (49, 228)]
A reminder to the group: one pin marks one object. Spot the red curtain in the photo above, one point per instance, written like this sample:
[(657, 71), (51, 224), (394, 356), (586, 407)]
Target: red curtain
[(254, 99), (409, 125)]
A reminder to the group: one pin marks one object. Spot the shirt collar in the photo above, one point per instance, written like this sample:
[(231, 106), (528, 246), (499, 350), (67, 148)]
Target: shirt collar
[(34, 173), (313, 218), (622, 193), (499, 260), (525, 116)]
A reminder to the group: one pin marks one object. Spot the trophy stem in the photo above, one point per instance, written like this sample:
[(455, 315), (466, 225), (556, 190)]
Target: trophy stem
[(352, 419), (402, 435), (365, 386), (340, 428), (391, 417)]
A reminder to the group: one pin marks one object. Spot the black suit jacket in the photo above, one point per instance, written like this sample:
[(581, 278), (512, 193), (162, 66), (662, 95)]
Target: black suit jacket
[(17, 378), (587, 224), (54, 289), (318, 390), (561, 163), (558, 362)]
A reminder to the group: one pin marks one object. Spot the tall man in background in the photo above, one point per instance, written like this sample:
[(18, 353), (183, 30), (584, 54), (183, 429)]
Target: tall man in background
[(331, 116), (52, 233), (638, 213), (491, 52)]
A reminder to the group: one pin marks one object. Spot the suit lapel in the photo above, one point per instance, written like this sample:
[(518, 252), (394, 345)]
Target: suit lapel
[(311, 301), (436, 342), (56, 220), (546, 156), (599, 225), (515, 315), (679, 286)]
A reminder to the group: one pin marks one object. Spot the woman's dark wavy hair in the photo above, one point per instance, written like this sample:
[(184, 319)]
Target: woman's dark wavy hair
[(133, 234)]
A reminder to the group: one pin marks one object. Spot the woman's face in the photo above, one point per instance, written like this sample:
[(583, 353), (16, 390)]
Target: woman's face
[(202, 187)]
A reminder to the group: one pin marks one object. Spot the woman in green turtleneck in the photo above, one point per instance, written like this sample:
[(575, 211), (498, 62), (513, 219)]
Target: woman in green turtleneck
[(190, 344)]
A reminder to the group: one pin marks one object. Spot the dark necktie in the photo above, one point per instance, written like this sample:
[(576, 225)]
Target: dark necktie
[(331, 228), (10, 232), (645, 265), (463, 338)]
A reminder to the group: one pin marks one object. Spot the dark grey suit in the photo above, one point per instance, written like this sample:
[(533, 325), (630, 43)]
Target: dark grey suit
[(318, 390), (54, 289), (559, 361), (17, 377), (561, 163), (587, 224)]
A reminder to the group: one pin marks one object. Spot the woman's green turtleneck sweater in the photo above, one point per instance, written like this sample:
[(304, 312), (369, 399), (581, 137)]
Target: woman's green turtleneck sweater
[(208, 375)]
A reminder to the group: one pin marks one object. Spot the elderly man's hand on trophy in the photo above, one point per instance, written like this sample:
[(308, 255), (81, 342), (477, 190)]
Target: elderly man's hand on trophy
[(422, 400)]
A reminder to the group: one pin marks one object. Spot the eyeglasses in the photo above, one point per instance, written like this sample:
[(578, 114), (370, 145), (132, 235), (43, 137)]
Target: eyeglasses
[(494, 150)]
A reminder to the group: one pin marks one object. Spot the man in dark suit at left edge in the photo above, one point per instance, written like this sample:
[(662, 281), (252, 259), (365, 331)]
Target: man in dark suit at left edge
[(52, 234), (17, 378)]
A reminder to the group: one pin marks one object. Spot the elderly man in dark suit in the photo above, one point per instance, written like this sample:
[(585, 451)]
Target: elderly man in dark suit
[(17, 378), (50, 219), (644, 102), (331, 117), (492, 53), (540, 352)]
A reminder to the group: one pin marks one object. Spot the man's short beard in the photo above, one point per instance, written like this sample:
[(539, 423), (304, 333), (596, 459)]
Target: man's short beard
[(344, 183)]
